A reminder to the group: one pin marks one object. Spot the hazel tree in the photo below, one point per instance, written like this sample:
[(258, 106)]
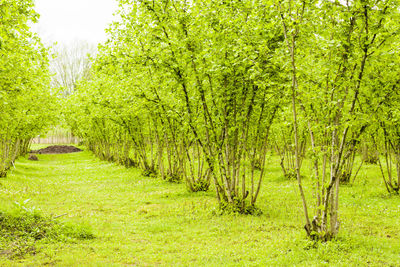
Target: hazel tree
[(338, 40)]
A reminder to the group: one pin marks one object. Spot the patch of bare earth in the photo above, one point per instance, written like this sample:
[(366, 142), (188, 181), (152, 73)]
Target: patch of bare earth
[(57, 149)]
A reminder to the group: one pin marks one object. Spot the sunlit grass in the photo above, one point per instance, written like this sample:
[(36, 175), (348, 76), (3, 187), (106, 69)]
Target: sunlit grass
[(146, 221)]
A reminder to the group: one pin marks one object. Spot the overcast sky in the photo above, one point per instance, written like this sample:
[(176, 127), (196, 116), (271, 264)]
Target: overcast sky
[(67, 21)]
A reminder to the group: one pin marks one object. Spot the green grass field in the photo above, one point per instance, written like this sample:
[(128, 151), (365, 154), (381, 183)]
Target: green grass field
[(144, 221)]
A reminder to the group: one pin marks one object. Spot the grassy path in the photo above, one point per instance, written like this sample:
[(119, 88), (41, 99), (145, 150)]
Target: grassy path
[(147, 222)]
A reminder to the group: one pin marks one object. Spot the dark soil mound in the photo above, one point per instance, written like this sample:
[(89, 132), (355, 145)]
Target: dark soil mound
[(57, 150), (33, 157)]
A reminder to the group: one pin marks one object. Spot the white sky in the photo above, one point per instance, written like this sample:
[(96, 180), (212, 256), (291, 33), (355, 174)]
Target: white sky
[(68, 21)]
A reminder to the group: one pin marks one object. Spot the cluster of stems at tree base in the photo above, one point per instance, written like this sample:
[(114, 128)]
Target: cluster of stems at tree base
[(391, 156), (10, 150), (317, 232), (155, 157), (238, 206)]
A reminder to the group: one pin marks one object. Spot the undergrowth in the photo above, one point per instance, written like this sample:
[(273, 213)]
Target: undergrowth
[(237, 207), (21, 229)]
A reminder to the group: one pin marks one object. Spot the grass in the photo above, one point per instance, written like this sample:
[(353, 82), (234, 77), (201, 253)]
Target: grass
[(144, 221)]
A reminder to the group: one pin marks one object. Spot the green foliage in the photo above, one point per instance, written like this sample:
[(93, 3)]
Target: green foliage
[(149, 173), (26, 105), (187, 89), (333, 48), (195, 91), (28, 224), (21, 228), (238, 206), (199, 186)]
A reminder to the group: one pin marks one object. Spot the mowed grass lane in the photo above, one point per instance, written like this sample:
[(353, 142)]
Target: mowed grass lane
[(145, 221)]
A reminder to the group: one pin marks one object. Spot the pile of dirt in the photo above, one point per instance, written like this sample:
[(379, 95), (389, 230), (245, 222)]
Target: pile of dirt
[(33, 157), (57, 150)]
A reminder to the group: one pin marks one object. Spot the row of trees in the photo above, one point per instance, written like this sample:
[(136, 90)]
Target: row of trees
[(201, 90), (25, 104)]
